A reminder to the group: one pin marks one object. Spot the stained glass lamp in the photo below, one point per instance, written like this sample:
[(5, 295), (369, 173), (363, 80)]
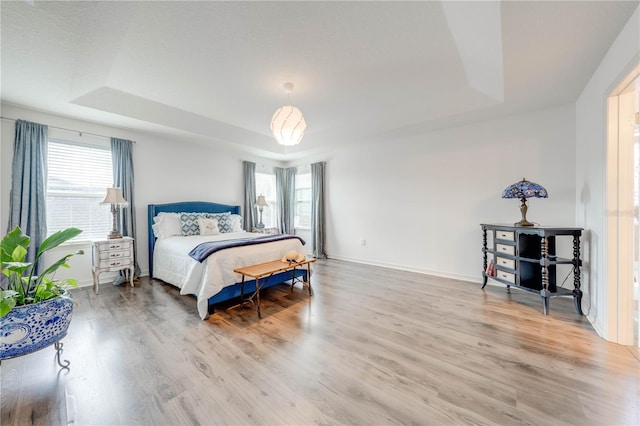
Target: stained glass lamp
[(523, 190)]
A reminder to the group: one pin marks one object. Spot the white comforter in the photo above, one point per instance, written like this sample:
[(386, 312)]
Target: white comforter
[(172, 263)]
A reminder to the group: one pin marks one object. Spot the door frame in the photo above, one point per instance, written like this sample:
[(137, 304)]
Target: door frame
[(619, 214)]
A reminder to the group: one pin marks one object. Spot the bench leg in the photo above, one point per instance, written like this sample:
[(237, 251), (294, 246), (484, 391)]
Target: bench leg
[(258, 297), (309, 279)]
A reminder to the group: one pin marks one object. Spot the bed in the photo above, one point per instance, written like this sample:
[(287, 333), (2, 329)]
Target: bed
[(212, 281)]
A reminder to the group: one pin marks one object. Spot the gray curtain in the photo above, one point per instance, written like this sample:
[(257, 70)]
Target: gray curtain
[(27, 202), (249, 211), (318, 210), (122, 159), (286, 198)]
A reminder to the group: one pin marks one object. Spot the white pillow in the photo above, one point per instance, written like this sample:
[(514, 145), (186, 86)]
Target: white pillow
[(208, 226), (167, 225), (236, 223)]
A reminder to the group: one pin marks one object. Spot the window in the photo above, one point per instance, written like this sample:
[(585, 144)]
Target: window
[(77, 178), (303, 201), (266, 185)]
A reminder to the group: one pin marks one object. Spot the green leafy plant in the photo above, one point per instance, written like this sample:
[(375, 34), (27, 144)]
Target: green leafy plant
[(23, 286)]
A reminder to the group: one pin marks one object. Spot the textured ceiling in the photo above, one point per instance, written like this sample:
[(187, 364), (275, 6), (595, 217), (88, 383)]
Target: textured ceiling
[(364, 72)]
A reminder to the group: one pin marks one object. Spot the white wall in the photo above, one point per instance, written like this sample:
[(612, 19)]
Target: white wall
[(419, 202), (591, 138), (165, 171)]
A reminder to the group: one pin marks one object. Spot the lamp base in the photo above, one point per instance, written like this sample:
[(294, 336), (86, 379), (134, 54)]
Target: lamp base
[(523, 211), (114, 228), (524, 223), (114, 234), (260, 225)]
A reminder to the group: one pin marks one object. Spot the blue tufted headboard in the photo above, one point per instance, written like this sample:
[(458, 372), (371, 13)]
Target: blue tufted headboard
[(184, 206)]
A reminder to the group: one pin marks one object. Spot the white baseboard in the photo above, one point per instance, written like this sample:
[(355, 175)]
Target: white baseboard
[(453, 276)]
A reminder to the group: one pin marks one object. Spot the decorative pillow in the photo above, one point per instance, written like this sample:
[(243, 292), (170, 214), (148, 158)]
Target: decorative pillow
[(167, 225), (208, 226), (224, 221), (189, 223), (236, 223)]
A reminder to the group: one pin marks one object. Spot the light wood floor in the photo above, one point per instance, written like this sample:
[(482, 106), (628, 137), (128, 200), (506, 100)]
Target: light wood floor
[(373, 346)]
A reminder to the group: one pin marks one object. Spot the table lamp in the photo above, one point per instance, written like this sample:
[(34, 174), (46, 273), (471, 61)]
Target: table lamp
[(260, 204), (115, 198), (523, 190)]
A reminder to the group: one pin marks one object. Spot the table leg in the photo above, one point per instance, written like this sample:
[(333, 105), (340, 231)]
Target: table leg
[(96, 280), (309, 278), (577, 293), (484, 258), (545, 293)]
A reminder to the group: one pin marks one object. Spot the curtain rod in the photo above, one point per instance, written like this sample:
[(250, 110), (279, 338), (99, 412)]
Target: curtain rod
[(67, 130)]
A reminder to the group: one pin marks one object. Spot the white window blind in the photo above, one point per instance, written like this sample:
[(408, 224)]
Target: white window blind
[(77, 178)]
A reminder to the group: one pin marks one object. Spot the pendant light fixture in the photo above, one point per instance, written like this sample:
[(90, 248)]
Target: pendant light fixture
[(287, 123)]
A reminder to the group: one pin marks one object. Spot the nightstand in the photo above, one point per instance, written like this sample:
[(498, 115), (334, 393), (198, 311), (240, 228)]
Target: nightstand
[(269, 231), (110, 255)]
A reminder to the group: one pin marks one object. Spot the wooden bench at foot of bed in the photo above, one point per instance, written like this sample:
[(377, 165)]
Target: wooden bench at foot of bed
[(271, 273)]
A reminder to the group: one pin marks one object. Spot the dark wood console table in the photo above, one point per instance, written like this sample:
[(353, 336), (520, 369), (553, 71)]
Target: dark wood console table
[(525, 258)]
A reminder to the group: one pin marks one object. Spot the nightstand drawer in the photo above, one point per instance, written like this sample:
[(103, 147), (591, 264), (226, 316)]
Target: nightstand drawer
[(506, 276), (118, 245), (503, 248), (506, 263), (114, 263), (505, 235), (115, 254)]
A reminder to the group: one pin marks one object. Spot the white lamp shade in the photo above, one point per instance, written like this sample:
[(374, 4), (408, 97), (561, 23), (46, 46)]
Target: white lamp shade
[(261, 202), (288, 125), (114, 196)]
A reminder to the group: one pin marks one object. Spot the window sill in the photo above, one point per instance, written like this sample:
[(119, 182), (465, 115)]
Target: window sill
[(76, 243)]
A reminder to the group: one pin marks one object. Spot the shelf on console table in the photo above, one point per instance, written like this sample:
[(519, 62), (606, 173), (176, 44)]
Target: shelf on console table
[(525, 258)]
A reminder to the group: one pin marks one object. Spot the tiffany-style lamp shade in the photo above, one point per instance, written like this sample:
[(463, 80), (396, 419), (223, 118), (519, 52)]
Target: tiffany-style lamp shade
[(523, 190)]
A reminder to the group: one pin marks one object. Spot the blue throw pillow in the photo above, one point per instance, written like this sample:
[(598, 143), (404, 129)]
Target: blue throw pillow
[(189, 223)]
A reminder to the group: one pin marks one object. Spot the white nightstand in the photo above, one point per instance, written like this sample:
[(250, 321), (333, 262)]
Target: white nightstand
[(112, 255), (269, 231)]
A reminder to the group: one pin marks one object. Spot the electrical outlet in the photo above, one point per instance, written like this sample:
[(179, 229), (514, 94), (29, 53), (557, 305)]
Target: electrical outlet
[(363, 242)]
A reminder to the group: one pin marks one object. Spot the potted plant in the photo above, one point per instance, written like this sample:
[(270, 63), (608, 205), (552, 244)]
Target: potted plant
[(35, 310)]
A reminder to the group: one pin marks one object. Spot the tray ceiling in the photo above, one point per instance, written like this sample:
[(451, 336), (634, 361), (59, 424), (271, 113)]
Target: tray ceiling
[(364, 72)]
